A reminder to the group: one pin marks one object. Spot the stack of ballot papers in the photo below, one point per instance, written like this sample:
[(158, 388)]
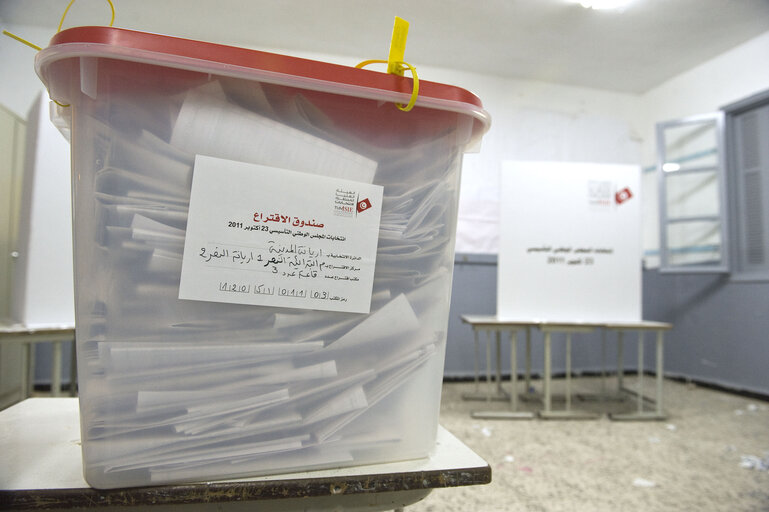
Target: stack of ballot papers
[(176, 390)]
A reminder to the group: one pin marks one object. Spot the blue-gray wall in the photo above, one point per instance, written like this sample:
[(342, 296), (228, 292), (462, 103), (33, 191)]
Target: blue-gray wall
[(720, 333), (721, 328)]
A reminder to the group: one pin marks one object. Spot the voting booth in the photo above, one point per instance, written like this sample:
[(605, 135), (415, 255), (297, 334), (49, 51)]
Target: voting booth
[(263, 255), (570, 242)]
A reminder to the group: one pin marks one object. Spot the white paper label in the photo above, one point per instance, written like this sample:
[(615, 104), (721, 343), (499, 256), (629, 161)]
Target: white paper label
[(271, 237)]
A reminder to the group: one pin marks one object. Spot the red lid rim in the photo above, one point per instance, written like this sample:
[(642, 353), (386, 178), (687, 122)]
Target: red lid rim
[(107, 41)]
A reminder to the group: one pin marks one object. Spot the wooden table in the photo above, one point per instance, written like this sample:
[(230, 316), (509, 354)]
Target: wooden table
[(31, 335), (492, 324), (42, 469)]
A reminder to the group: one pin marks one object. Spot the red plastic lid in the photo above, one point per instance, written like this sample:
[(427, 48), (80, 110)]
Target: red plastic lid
[(200, 56)]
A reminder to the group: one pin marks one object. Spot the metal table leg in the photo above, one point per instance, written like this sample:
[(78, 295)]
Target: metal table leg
[(640, 372), (476, 394), (568, 371), (26, 370), (548, 373), (620, 362), (514, 371), (529, 394), (567, 413), (56, 369), (513, 413), (660, 377), (488, 366), (604, 395), (31, 364), (528, 359), (603, 364), (477, 370), (658, 412), (73, 370), (499, 362), (490, 394)]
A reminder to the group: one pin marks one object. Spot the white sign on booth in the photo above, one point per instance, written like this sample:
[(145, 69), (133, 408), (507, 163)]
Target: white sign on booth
[(570, 242)]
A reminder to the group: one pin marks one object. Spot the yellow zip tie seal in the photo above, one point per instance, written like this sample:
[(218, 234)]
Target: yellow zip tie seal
[(22, 41), (395, 63), (397, 46), (61, 22)]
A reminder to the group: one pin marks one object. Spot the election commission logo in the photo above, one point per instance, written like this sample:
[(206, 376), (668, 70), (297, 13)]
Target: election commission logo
[(364, 205)]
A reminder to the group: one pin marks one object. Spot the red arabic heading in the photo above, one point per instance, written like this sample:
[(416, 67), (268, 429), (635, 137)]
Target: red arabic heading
[(286, 219)]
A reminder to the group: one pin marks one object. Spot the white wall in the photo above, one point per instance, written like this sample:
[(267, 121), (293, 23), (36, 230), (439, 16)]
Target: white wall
[(530, 121), (536, 121), (729, 77), (42, 280), (20, 86), (43, 287)]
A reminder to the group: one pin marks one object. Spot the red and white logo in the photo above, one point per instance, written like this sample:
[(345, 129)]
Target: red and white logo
[(622, 195), (364, 205)]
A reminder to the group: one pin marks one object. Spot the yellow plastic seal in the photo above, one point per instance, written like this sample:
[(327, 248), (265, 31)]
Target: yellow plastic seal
[(23, 41), (111, 21), (61, 22), (397, 47), (395, 63)]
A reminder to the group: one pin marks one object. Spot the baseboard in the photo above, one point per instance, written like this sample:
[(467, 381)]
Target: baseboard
[(46, 388), (755, 395)]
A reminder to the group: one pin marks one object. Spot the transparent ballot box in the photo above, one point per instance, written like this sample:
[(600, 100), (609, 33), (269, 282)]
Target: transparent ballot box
[(263, 255)]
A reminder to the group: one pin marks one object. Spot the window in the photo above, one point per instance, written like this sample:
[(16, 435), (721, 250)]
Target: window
[(747, 124), (692, 195)]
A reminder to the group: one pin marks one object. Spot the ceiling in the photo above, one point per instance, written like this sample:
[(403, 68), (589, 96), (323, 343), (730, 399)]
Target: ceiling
[(628, 51)]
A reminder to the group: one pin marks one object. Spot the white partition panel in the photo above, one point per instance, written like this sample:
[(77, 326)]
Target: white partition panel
[(570, 242)]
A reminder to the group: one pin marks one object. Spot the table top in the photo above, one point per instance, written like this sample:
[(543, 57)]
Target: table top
[(48, 331), (492, 321), (42, 467)]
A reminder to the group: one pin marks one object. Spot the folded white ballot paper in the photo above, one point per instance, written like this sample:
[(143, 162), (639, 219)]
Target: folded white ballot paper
[(208, 124)]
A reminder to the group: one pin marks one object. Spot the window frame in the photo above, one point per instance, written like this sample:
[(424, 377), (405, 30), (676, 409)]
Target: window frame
[(722, 218)]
